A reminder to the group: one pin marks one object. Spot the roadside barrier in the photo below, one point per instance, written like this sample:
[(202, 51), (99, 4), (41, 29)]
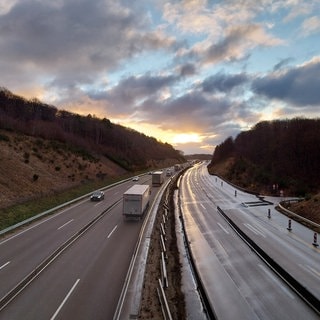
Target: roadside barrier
[(300, 289), (163, 282), (315, 240)]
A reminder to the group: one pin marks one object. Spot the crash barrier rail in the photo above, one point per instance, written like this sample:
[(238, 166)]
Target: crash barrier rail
[(163, 301), (130, 299), (303, 292), (46, 262), (314, 225), (52, 210), (163, 282)]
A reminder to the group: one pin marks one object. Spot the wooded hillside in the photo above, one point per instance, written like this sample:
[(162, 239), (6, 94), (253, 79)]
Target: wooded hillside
[(273, 156), (128, 148)]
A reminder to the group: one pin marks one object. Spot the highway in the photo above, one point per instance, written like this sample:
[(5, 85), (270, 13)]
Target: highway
[(238, 283), (85, 280)]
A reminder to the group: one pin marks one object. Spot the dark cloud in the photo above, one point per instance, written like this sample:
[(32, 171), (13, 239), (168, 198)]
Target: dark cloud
[(131, 91), (298, 86), (65, 41), (223, 82), (282, 64), (228, 48), (191, 111), (188, 69)]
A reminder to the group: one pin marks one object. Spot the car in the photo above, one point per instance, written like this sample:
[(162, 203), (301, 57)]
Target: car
[(97, 196), (135, 179)]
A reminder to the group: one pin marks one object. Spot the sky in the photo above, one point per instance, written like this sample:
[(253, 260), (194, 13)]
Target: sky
[(190, 73)]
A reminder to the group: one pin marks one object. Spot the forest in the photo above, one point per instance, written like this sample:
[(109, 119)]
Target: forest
[(272, 156), (126, 147)]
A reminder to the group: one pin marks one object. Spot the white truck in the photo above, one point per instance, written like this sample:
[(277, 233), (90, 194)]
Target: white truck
[(136, 201), (157, 178)]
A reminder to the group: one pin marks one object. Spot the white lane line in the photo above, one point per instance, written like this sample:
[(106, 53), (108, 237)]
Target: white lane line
[(4, 265), (202, 206), (275, 280), (65, 224), (113, 230), (310, 270), (223, 228), (65, 300), (251, 228), (38, 224), (254, 230)]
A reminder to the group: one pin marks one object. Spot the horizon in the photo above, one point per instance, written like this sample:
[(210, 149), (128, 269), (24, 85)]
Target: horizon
[(190, 73)]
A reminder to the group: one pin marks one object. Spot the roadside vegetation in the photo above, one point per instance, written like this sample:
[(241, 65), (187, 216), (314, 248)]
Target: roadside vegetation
[(279, 158), (49, 156), (20, 212)]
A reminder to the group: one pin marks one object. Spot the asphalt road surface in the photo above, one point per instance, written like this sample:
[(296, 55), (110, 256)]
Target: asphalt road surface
[(238, 283), (86, 279)]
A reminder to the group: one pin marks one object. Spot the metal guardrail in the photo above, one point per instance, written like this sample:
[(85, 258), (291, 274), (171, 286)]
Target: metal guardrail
[(47, 212), (163, 301), (297, 216), (301, 290), (46, 262)]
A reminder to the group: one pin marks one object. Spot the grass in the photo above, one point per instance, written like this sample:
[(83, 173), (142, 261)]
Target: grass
[(20, 212)]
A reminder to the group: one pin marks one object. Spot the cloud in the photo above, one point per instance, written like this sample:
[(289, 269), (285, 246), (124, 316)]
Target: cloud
[(237, 42), (298, 86), (72, 42), (132, 91), (223, 82), (310, 26)]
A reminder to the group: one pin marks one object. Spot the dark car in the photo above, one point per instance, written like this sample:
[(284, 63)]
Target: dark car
[(97, 196)]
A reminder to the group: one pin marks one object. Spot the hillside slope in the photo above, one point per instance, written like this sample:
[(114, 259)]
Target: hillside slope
[(34, 167), (273, 156)]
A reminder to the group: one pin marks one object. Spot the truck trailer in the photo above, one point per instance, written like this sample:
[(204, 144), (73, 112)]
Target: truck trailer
[(157, 178), (136, 201)]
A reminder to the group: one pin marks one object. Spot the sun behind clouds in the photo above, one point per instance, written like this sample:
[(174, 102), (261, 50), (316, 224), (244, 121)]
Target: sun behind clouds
[(183, 138)]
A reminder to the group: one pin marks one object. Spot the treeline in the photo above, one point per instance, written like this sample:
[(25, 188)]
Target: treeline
[(279, 154), (129, 148)]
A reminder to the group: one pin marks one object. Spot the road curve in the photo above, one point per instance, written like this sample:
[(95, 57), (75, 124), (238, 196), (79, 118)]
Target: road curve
[(237, 282)]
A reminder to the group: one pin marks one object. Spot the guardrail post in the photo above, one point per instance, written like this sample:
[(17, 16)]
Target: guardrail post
[(164, 303), (289, 225), (269, 213), (315, 240), (164, 276)]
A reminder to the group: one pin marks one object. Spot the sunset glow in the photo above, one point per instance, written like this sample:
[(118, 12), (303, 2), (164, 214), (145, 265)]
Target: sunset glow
[(189, 73)]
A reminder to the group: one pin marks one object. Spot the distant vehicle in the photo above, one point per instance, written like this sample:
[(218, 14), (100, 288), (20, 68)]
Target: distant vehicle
[(157, 178), (177, 167), (168, 173), (136, 201), (97, 196), (135, 179)]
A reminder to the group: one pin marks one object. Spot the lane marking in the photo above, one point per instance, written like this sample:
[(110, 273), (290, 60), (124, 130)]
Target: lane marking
[(275, 280), (254, 230), (251, 228), (113, 230), (310, 270), (65, 300), (65, 224), (223, 228), (4, 265), (40, 223)]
